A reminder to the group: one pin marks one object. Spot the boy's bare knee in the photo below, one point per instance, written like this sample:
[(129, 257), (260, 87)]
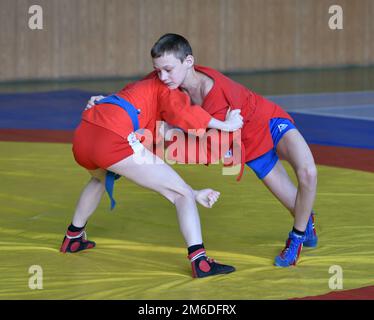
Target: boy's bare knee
[(307, 176), (186, 191), (182, 191), (170, 195)]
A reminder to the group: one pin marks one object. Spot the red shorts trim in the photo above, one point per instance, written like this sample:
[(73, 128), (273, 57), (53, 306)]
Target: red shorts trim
[(95, 147)]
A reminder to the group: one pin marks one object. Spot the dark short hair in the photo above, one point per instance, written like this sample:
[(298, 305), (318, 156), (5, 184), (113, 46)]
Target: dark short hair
[(172, 43)]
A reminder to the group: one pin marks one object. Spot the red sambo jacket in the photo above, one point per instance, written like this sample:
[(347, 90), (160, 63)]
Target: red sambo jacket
[(256, 110)]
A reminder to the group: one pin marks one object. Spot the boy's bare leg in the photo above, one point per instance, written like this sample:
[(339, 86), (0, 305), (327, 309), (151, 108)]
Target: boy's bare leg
[(75, 238), (298, 200), (281, 186), (293, 148), (90, 198)]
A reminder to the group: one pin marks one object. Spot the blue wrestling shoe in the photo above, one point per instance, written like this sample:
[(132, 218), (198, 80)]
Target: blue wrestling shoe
[(310, 233), (290, 254)]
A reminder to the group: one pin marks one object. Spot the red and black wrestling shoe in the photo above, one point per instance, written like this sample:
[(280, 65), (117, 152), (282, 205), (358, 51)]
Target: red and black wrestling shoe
[(76, 241), (203, 266)]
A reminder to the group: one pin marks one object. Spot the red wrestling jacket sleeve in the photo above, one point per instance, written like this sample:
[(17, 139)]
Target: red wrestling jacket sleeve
[(175, 108)]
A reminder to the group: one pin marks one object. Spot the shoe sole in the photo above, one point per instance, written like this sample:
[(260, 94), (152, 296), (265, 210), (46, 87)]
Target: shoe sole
[(284, 266), (215, 274)]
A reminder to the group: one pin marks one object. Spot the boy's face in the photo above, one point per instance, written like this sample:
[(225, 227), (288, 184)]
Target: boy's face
[(171, 70)]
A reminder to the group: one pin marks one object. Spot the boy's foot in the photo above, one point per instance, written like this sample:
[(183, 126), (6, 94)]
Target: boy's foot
[(310, 233), (203, 266), (76, 241), (290, 254)]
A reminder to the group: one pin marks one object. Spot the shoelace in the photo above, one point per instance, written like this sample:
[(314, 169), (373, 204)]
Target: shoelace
[(309, 228), (210, 260), (287, 250)]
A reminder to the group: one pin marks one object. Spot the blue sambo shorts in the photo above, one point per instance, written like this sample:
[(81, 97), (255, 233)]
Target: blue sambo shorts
[(265, 163)]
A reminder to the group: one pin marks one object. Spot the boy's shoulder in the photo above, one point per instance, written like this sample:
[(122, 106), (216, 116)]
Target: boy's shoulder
[(213, 73), (219, 77), (233, 91)]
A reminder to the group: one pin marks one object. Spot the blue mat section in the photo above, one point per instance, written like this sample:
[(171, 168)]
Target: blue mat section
[(334, 131), (56, 110), (311, 101), (361, 112), (337, 119)]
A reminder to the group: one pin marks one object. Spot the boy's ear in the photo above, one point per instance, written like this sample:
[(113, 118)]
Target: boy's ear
[(189, 60)]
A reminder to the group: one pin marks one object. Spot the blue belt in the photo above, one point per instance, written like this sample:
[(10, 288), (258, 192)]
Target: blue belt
[(133, 113)]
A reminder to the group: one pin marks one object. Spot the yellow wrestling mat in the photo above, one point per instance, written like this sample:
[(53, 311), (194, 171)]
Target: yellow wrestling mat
[(140, 252)]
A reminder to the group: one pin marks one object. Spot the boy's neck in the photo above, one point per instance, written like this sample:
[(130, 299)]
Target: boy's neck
[(197, 85), (192, 81)]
